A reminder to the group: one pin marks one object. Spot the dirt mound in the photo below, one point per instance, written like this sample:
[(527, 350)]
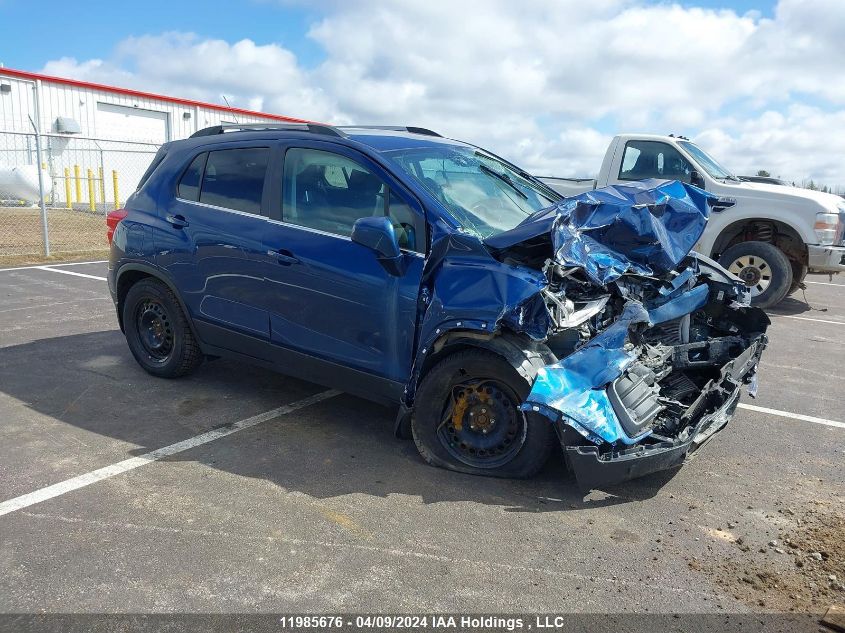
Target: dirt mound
[(803, 570)]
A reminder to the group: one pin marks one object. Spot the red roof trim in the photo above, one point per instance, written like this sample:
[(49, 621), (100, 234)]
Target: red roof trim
[(22, 74)]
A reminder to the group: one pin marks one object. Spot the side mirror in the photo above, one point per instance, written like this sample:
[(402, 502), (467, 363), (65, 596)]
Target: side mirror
[(696, 179), (377, 234)]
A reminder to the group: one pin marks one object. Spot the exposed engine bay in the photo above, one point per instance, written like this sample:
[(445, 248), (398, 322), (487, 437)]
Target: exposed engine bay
[(673, 357), (652, 342)]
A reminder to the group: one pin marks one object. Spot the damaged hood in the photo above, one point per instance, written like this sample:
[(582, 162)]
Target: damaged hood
[(643, 228)]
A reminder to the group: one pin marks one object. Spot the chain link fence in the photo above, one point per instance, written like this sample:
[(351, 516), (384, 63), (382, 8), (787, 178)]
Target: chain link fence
[(81, 180)]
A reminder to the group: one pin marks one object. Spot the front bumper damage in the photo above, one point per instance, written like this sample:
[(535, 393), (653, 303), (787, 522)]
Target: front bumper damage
[(594, 469), (826, 259)]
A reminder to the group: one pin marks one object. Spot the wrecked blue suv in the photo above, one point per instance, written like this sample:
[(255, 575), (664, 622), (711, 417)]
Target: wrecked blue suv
[(427, 273)]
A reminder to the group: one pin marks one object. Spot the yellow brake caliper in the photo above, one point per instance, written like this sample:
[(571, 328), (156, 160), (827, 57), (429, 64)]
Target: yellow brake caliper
[(462, 402)]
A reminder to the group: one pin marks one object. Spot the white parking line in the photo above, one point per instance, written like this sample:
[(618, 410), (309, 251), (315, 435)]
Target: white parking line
[(793, 416), (99, 261), (789, 316), (70, 272), (63, 487), (824, 283)]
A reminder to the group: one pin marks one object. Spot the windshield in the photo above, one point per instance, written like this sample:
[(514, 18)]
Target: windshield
[(707, 162), (484, 194)]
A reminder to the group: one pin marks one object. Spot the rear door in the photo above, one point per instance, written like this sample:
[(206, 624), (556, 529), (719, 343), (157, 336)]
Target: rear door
[(217, 223), (328, 296)]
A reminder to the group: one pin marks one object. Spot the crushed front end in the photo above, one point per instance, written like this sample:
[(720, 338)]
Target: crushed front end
[(653, 343)]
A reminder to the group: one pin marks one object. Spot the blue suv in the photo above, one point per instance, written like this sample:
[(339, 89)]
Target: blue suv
[(429, 274)]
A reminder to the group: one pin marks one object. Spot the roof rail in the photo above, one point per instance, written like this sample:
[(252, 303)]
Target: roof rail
[(395, 128), (315, 128)]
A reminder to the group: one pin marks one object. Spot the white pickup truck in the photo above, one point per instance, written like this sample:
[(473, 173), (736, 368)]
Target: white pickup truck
[(768, 235)]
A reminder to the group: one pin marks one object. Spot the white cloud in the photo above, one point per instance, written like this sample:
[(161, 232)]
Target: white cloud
[(539, 82), (185, 65), (803, 141)]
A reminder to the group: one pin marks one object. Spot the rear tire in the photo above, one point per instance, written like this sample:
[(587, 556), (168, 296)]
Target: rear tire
[(157, 331), (467, 418), (763, 268)]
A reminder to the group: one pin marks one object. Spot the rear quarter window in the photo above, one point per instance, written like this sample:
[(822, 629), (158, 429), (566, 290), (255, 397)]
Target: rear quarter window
[(160, 154), (189, 184)]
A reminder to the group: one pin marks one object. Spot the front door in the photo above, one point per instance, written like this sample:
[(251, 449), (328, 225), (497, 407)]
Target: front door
[(653, 159), (328, 296)]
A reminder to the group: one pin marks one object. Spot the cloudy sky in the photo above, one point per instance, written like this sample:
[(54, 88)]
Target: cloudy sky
[(761, 85)]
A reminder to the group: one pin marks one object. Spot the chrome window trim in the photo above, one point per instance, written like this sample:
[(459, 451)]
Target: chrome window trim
[(334, 235), (288, 224), (226, 209)]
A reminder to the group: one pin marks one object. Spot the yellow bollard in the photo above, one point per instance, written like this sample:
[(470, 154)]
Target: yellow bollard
[(116, 193), (92, 201), (102, 186), (68, 200), (78, 183)]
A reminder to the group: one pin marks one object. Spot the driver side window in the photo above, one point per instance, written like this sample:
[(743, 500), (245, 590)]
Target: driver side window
[(653, 159), (329, 192)]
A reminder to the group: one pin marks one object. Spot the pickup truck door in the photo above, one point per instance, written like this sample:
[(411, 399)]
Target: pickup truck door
[(328, 297), (650, 159)]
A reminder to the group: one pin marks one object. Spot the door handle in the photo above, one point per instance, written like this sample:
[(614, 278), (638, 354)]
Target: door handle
[(284, 257), (177, 221)]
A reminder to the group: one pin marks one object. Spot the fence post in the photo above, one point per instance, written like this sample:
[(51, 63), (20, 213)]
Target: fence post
[(68, 201), (45, 233), (116, 193), (78, 183), (92, 200)]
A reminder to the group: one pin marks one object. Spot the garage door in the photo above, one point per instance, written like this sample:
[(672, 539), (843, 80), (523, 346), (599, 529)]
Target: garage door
[(131, 124)]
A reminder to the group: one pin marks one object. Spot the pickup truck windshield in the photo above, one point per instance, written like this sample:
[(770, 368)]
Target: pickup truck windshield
[(707, 162), (484, 194)]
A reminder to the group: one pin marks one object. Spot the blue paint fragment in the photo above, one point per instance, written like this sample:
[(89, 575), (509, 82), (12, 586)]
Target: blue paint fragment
[(680, 305), (574, 387)]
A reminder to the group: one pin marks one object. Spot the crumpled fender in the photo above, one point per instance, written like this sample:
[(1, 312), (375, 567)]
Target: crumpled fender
[(464, 288)]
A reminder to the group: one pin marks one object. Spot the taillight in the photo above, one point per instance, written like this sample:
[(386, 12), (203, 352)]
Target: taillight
[(112, 220)]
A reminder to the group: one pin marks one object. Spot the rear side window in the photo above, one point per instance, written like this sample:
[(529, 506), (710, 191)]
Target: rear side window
[(232, 179), (189, 185)]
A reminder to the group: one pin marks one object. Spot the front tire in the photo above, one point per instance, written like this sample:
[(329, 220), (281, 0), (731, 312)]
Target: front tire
[(764, 269), (157, 331), (467, 418), (799, 273)]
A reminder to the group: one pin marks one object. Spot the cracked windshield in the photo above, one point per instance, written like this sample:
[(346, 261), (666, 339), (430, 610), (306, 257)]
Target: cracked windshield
[(484, 194)]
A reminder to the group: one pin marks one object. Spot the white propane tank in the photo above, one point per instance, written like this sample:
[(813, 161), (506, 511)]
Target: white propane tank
[(21, 183)]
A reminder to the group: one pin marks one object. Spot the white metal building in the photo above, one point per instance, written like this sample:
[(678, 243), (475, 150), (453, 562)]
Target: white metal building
[(105, 129), (80, 108)]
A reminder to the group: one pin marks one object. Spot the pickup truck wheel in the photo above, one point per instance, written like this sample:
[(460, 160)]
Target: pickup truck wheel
[(157, 331), (467, 418), (763, 268)]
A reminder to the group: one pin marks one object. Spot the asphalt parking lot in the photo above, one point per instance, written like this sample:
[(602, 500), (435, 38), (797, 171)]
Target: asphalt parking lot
[(315, 507)]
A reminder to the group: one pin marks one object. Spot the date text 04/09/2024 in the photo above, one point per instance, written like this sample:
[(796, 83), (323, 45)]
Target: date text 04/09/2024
[(461, 622)]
